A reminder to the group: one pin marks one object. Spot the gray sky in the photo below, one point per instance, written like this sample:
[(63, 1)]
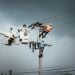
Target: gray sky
[(61, 13)]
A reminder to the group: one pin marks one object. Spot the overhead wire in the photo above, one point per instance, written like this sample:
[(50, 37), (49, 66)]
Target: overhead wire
[(57, 16), (50, 69)]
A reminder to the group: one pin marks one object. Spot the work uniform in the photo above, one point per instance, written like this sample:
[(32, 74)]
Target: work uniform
[(24, 35), (41, 48)]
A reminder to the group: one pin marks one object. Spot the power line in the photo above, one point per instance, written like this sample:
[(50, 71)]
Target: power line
[(60, 66), (56, 69), (56, 16), (68, 22), (64, 17), (51, 67)]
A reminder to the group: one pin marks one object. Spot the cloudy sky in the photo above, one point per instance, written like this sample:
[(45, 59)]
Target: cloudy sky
[(61, 13)]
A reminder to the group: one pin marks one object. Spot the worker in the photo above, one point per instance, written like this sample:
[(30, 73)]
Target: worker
[(23, 33), (41, 48), (44, 30)]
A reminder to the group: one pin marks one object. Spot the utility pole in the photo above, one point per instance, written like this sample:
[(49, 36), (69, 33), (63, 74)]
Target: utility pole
[(10, 72), (40, 62), (41, 50), (40, 45)]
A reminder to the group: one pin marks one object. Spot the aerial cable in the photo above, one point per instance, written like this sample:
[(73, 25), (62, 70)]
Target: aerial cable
[(56, 16)]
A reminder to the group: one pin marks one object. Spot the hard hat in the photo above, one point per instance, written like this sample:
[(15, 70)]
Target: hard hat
[(24, 25)]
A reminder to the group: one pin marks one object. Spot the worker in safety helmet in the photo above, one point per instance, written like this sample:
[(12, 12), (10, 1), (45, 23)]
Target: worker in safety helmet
[(44, 30), (23, 32)]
